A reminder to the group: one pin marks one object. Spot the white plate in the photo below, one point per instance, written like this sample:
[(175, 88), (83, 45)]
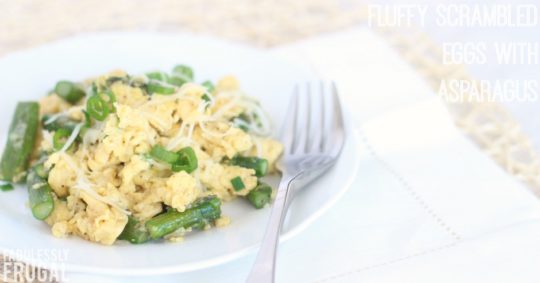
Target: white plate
[(28, 75)]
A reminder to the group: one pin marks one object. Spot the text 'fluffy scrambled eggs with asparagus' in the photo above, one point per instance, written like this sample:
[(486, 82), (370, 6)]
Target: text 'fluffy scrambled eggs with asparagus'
[(139, 158)]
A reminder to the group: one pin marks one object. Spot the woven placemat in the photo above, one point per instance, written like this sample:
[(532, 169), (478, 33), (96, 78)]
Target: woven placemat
[(26, 23)]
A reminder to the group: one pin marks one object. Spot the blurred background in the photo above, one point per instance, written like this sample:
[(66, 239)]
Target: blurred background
[(261, 22)]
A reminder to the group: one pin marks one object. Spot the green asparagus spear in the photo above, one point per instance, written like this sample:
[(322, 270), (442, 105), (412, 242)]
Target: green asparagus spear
[(203, 211), (40, 195), (260, 165), (260, 196), (20, 144), (134, 232), (69, 91)]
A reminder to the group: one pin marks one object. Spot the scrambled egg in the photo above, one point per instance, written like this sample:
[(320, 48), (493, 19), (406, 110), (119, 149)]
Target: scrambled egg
[(109, 175)]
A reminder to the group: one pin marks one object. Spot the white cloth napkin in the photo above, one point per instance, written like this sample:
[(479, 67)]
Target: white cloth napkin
[(427, 206)]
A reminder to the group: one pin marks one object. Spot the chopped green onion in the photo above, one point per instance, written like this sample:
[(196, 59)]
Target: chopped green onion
[(237, 183), (159, 88), (6, 187), (209, 86), (97, 108), (187, 160), (260, 165), (94, 89), (69, 91), (109, 98), (160, 153), (206, 98), (60, 138), (87, 119)]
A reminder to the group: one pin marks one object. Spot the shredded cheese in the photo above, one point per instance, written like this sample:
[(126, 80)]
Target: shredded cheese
[(93, 134), (162, 124), (168, 98), (72, 137), (158, 165), (190, 131), (84, 185), (258, 147), (223, 110), (179, 136), (47, 138), (55, 117), (213, 133)]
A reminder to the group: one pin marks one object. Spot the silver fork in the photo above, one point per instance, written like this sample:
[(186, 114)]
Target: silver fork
[(313, 136)]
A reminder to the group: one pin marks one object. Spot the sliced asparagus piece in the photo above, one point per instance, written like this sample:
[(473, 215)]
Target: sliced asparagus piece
[(39, 194), (260, 196), (260, 165), (20, 143), (69, 91), (134, 232), (201, 212)]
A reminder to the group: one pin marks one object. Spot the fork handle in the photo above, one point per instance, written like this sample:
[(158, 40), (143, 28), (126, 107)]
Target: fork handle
[(263, 270)]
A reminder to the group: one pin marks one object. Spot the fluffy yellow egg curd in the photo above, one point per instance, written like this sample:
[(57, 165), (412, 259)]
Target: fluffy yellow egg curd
[(135, 148)]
